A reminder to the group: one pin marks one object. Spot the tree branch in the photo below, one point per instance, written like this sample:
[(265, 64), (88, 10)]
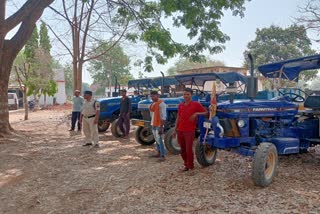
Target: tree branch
[(30, 8), (104, 52), (28, 24), (54, 33)]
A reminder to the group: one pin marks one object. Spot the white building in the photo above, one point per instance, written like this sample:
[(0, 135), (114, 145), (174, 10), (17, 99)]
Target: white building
[(60, 97)]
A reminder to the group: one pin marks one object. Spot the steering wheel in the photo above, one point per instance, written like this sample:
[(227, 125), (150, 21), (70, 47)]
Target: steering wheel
[(295, 97)]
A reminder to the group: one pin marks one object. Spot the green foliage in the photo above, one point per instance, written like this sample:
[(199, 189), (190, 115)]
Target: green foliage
[(68, 77), (275, 44), (201, 19), (100, 92), (50, 89), (32, 45), (185, 64), (44, 38), (113, 64), (85, 86)]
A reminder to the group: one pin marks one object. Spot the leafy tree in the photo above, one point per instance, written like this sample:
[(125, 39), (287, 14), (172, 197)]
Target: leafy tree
[(21, 75), (85, 86), (185, 64), (274, 44), (24, 19), (44, 38), (32, 45), (106, 67), (50, 89), (100, 92), (141, 21), (68, 77)]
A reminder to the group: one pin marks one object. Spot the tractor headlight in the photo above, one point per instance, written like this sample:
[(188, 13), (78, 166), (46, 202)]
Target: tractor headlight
[(241, 123)]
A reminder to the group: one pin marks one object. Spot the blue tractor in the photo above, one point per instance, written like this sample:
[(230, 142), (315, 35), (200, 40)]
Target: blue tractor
[(110, 107), (196, 81), (263, 129)]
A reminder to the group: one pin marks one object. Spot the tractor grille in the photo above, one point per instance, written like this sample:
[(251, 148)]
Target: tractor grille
[(103, 106), (230, 127), (146, 115)]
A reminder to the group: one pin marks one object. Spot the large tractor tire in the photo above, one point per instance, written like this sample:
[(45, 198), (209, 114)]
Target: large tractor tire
[(171, 143), (144, 136), (264, 164), (115, 130), (103, 125), (205, 155)]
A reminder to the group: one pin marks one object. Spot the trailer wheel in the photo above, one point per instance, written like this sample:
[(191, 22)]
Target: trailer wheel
[(205, 154), (115, 130), (264, 164), (144, 136), (171, 143), (103, 125)]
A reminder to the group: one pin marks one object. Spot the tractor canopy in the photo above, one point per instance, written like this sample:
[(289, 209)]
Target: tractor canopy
[(200, 79), (290, 69), (147, 83)]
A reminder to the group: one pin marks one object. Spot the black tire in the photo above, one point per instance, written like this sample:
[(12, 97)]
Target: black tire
[(144, 136), (172, 144), (103, 125), (115, 130), (205, 155), (264, 164)]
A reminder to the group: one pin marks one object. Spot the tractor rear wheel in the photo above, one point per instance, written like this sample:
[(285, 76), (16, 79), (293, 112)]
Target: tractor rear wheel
[(144, 136), (103, 125), (205, 154), (115, 130), (264, 164), (171, 143)]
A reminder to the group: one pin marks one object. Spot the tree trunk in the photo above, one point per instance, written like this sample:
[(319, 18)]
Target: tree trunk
[(45, 101), (25, 103), (5, 67)]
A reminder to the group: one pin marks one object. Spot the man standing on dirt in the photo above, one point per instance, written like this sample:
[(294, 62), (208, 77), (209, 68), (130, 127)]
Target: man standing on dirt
[(124, 117), (76, 110), (89, 118), (158, 117), (186, 123)]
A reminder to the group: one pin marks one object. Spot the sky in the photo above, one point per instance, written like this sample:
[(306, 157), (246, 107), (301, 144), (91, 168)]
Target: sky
[(258, 14)]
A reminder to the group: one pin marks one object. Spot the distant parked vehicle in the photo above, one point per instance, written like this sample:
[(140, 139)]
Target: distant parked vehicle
[(13, 102)]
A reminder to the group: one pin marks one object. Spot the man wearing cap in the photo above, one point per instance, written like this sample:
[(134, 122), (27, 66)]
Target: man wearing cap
[(76, 110), (158, 117), (89, 118), (125, 110)]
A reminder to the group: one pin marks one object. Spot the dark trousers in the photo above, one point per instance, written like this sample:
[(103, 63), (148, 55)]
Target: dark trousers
[(185, 140), (124, 123), (74, 118)]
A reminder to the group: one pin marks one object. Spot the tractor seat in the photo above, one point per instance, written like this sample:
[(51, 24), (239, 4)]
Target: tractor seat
[(313, 102)]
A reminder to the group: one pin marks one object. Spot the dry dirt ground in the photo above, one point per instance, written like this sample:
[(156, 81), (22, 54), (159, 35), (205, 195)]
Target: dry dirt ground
[(48, 171)]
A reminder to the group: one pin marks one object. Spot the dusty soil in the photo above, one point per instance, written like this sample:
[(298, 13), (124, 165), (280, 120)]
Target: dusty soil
[(48, 171)]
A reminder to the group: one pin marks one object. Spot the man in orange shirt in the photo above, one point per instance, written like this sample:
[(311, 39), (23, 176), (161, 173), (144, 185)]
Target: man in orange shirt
[(158, 117), (186, 124)]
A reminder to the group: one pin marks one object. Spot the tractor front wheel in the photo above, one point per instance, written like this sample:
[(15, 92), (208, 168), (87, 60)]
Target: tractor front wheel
[(144, 136), (205, 154), (171, 142), (115, 130), (264, 164), (103, 125)]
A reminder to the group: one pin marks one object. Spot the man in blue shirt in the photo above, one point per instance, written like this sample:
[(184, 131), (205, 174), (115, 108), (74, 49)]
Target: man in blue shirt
[(76, 110)]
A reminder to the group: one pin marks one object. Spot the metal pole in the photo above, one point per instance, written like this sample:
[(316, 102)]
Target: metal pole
[(162, 83)]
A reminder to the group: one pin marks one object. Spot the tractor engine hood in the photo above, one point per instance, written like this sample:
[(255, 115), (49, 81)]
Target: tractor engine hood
[(267, 108), (171, 103)]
